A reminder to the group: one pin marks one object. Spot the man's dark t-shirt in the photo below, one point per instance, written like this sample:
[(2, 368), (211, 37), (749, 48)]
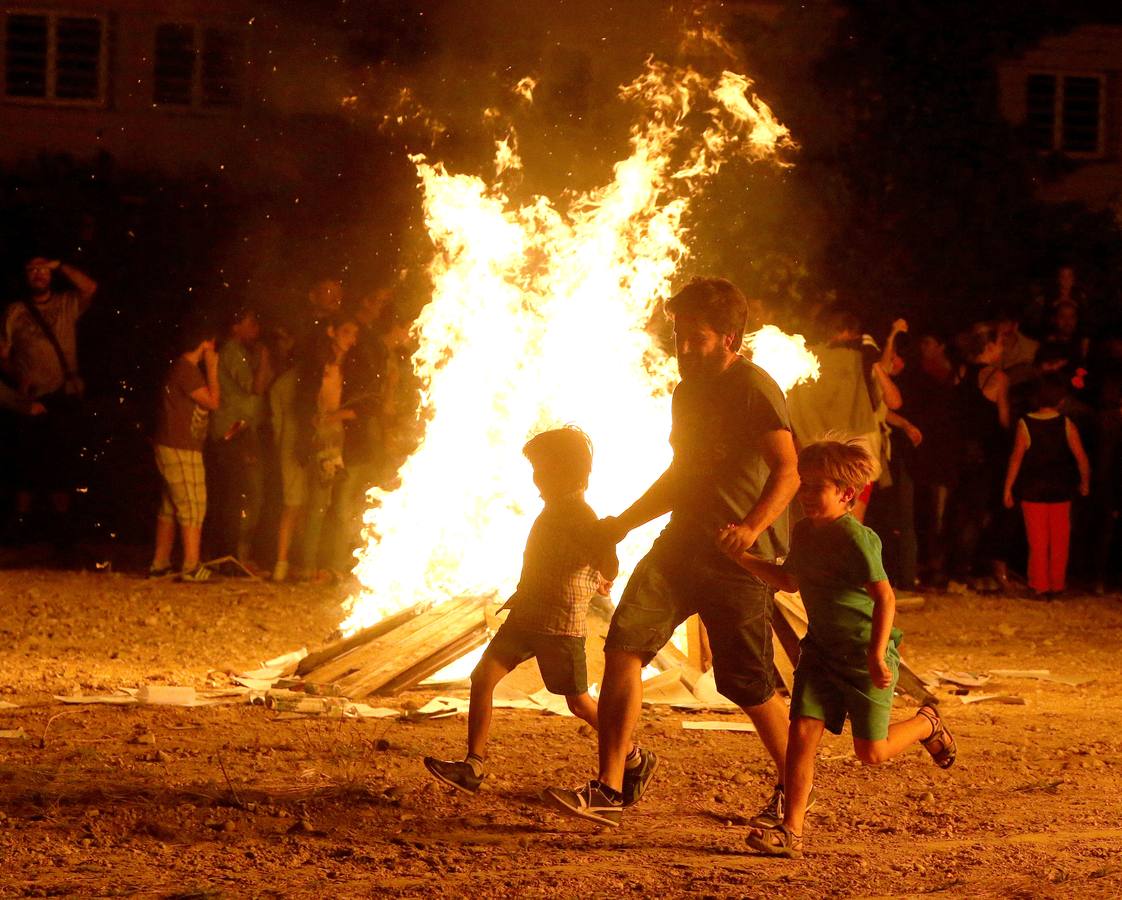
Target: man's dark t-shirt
[(717, 435)]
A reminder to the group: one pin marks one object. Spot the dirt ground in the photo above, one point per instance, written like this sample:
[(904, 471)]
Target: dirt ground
[(234, 801)]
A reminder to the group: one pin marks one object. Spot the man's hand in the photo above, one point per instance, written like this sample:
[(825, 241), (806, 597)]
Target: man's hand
[(914, 435), (878, 669), (1084, 489), (36, 409), (900, 326), (735, 540), (210, 356), (1008, 500)]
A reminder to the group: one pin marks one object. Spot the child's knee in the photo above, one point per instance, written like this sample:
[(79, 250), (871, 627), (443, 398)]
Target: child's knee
[(580, 704), (871, 753)]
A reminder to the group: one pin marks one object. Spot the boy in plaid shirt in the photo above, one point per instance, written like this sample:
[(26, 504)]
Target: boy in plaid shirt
[(560, 574)]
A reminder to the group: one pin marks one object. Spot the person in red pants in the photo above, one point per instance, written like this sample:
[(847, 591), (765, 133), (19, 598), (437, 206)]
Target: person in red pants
[(1048, 464)]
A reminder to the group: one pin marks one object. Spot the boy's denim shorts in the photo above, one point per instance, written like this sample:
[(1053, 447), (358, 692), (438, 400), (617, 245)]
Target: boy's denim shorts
[(668, 586), (561, 658)]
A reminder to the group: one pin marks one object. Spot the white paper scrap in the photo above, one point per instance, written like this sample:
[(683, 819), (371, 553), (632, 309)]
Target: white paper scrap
[(438, 707), (705, 690), (4, 704), (13, 734), (1041, 675), (364, 711), (731, 725), (551, 703), (1007, 699), (963, 679)]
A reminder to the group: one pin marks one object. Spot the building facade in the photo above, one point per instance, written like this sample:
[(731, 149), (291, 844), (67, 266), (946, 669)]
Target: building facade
[(1066, 94)]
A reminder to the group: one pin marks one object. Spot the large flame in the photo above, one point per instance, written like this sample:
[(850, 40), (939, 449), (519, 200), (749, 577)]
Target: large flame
[(538, 319)]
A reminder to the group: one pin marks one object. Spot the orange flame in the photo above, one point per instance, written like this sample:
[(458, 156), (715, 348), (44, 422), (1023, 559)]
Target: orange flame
[(537, 319)]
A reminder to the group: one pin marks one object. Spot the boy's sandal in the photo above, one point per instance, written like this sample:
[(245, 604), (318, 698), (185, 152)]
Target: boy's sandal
[(778, 841), (940, 743)]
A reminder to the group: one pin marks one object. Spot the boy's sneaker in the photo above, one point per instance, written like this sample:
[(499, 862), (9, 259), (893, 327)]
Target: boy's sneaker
[(636, 778), (459, 775), (771, 816), (589, 802)]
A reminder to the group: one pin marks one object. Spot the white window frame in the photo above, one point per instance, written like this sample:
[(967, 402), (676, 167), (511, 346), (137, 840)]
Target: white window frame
[(52, 16), (1061, 77), (198, 102)]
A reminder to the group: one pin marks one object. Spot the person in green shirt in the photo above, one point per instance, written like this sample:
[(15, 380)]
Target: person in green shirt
[(848, 661)]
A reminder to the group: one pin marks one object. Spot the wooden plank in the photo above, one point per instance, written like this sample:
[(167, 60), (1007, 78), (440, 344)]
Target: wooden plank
[(448, 655), (408, 655), (385, 647), (344, 645), (670, 657)]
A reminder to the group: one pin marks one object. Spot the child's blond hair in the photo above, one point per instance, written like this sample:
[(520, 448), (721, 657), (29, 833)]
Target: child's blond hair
[(848, 464)]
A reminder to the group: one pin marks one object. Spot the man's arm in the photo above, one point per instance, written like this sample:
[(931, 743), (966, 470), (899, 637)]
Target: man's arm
[(83, 284), (656, 501), (778, 450), (208, 397), (263, 371), (1020, 445)]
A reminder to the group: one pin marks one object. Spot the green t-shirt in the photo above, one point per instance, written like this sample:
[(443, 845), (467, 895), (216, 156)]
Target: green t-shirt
[(833, 563), (718, 426)]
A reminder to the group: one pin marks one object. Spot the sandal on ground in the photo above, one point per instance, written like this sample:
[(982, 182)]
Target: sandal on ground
[(940, 743), (198, 574), (778, 841)]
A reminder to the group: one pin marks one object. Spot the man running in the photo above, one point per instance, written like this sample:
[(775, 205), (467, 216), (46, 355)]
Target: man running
[(733, 474)]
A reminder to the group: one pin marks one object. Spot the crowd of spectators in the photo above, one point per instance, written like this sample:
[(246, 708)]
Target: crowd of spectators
[(270, 431), (254, 420), (999, 444)]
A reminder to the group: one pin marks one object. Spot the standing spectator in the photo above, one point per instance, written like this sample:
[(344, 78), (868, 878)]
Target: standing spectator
[(323, 414), (285, 421), (1017, 350), (324, 301), (851, 396), (1107, 493), (928, 390), (982, 407), (244, 374), (365, 440), (186, 402), (39, 351), (1046, 466), (1064, 333)]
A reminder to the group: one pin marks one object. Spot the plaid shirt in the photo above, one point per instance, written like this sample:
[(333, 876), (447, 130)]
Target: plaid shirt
[(558, 578)]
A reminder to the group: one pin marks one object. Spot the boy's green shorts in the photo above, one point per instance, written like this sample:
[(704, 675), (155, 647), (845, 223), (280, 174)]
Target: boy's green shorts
[(830, 689)]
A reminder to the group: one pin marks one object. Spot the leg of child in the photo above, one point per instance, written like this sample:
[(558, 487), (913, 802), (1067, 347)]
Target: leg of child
[(1059, 535), (901, 736), (192, 537), (488, 673), (583, 707), (165, 539), (802, 745), (1036, 530)]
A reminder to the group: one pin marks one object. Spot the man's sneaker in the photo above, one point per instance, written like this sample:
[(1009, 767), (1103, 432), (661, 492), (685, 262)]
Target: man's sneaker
[(771, 816), (588, 802), (459, 775), (636, 778)]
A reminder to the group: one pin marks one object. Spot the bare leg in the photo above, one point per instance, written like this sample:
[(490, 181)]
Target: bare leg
[(165, 540), (901, 736), (286, 528), (583, 707), (770, 719), (621, 700), (488, 673), (192, 535), (799, 777)]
